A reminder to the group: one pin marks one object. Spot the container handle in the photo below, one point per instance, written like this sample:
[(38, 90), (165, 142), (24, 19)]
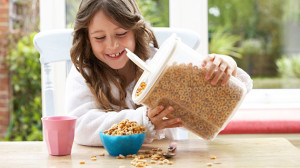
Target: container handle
[(134, 58)]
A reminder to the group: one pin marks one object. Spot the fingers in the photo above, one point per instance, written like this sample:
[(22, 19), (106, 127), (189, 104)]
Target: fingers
[(158, 113), (227, 76), (158, 118), (223, 67), (165, 112), (155, 111), (219, 74), (213, 67), (170, 123), (226, 79), (208, 59), (219, 68), (217, 77), (178, 124)]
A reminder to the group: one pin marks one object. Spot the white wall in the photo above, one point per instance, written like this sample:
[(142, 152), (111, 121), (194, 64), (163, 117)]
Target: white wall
[(53, 16), (191, 14)]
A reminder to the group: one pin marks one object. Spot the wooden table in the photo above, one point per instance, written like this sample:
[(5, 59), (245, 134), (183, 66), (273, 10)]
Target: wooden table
[(229, 153)]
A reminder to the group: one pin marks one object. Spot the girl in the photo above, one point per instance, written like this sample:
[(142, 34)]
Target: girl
[(100, 84)]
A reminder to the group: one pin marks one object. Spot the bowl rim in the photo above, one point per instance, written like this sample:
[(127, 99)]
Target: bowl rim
[(101, 133)]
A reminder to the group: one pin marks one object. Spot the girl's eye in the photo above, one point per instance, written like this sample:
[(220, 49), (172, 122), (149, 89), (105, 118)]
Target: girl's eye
[(121, 34), (100, 38)]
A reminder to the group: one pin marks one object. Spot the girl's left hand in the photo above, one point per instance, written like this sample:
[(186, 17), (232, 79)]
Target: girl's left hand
[(220, 68)]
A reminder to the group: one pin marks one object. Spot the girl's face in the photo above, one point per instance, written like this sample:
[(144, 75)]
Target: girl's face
[(109, 41)]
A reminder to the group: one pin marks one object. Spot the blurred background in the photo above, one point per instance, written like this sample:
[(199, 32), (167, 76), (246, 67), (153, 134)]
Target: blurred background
[(261, 35)]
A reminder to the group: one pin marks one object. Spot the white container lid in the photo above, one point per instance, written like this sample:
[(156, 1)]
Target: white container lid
[(155, 67)]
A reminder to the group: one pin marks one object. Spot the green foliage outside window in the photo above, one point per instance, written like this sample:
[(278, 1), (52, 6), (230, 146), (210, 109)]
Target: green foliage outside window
[(261, 26), (289, 66), (156, 12), (26, 103), (224, 43)]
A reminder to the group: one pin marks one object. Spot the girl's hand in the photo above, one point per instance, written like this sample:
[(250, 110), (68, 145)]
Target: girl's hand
[(220, 68), (157, 117)]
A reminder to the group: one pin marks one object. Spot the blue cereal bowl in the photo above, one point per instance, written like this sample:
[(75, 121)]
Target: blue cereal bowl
[(122, 144)]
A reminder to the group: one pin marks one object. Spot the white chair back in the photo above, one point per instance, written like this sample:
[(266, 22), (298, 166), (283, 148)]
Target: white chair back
[(54, 46)]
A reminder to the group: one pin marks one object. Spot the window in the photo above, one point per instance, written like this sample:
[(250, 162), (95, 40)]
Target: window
[(263, 36)]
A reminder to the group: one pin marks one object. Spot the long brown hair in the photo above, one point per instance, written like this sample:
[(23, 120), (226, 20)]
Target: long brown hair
[(97, 74)]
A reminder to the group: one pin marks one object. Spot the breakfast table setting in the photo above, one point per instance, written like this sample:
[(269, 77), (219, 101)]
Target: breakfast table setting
[(231, 152)]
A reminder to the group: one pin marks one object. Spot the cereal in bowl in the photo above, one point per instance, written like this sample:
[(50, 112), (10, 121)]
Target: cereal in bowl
[(125, 127)]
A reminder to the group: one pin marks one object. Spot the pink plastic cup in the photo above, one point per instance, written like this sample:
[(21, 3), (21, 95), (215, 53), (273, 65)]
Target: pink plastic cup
[(58, 132)]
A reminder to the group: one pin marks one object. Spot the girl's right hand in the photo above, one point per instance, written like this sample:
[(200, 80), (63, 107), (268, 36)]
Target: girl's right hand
[(158, 118)]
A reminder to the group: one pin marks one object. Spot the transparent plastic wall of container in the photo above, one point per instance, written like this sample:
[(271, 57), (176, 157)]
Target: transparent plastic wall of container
[(175, 78)]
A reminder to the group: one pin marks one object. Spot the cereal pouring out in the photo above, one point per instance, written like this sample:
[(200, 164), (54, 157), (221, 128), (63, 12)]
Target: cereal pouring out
[(124, 138)]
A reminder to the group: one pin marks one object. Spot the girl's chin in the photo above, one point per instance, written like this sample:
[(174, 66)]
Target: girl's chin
[(118, 66)]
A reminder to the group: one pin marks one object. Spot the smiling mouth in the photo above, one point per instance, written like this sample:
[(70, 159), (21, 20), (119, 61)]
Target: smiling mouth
[(116, 55)]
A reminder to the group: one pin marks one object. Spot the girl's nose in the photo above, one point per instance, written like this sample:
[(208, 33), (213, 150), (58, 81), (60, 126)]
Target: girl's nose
[(112, 43)]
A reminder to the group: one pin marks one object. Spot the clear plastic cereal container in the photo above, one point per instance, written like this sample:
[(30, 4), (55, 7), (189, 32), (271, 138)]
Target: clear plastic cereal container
[(175, 77)]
